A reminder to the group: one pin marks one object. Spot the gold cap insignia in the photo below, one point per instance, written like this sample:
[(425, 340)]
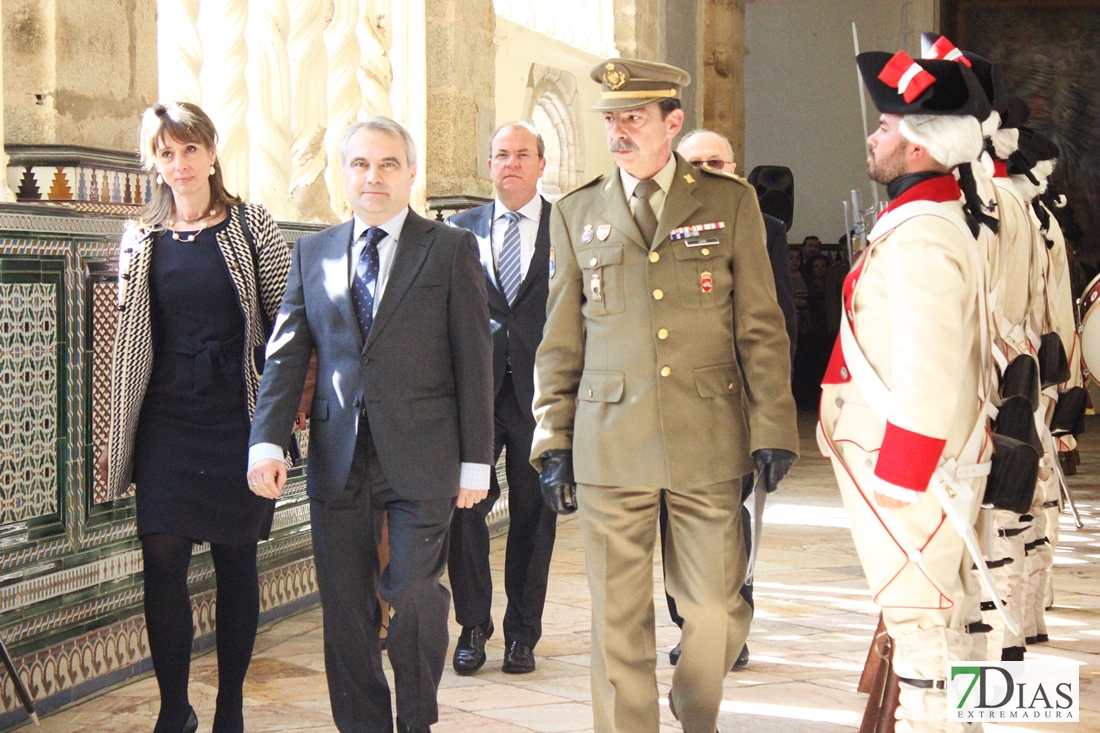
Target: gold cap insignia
[(613, 78)]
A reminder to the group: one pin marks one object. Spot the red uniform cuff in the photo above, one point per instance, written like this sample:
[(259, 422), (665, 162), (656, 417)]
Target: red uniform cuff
[(908, 459)]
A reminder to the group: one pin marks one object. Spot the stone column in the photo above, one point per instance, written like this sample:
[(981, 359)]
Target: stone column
[(636, 28), (78, 72), (5, 192), (375, 73), (409, 93), (179, 51), (343, 93), (461, 107), (723, 82), (308, 110), (224, 89), (268, 118)]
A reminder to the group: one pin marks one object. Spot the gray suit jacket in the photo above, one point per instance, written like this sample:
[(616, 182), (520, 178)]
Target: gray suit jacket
[(424, 377)]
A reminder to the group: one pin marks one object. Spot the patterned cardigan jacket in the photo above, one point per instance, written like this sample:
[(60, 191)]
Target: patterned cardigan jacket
[(132, 360)]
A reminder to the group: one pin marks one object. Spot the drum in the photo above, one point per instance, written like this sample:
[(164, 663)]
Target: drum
[(1090, 327)]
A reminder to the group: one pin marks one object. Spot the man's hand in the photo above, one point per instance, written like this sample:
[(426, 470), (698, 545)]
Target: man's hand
[(774, 463), (559, 489), (889, 502), (301, 420), (468, 497), (267, 478)]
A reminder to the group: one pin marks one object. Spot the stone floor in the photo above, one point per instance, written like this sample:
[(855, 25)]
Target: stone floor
[(813, 622)]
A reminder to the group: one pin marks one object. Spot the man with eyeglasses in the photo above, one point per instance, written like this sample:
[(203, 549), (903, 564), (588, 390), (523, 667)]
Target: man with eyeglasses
[(513, 235), (712, 150)]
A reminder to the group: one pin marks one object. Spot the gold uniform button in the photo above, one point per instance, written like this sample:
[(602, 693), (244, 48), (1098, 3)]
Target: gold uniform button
[(594, 261), (589, 393), (662, 334), (730, 386), (653, 256), (705, 251), (665, 371), (658, 294)]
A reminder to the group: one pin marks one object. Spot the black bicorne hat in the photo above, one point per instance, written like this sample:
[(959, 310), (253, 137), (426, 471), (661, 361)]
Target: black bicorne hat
[(1016, 113), (900, 85), (935, 46), (1034, 147)]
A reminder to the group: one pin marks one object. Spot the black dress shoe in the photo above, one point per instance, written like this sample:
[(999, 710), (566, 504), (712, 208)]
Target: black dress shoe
[(192, 723), (518, 658), (742, 658), (674, 657), (1040, 639), (470, 651), (402, 728)]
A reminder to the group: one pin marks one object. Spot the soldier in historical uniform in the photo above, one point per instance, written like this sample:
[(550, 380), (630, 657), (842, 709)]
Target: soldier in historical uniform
[(903, 399), (657, 270)]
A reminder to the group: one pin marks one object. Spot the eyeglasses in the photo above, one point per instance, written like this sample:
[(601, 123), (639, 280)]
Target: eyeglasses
[(714, 163)]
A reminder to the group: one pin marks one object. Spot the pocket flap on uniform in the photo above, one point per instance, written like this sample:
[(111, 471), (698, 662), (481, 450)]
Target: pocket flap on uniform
[(706, 248), (592, 257), (602, 386), (718, 380), (434, 408)]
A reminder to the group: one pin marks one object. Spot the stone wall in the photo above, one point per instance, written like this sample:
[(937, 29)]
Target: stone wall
[(461, 112), (78, 72)]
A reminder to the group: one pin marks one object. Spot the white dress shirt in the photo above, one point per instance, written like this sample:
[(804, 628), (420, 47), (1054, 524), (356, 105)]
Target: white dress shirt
[(657, 199), (474, 476), (530, 214)]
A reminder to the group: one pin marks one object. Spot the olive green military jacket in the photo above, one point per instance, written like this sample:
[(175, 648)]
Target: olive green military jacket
[(637, 371)]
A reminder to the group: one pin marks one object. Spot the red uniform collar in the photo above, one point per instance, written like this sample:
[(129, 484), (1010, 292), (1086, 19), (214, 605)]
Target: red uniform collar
[(1000, 169), (939, 189)]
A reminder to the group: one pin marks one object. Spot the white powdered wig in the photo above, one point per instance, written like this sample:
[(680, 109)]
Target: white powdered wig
[(951, 140), (1005, 142), (992, 123), (1029, 190)]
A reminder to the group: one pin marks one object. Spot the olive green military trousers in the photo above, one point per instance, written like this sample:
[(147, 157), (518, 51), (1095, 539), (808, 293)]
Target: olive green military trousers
[(705, 565)]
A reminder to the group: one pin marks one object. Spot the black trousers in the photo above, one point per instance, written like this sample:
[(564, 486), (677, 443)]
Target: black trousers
[(746, 530), (346, 530), (531, 530)]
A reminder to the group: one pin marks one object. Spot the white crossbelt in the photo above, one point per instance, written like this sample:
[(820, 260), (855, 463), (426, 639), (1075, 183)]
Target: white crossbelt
[(951, 480)]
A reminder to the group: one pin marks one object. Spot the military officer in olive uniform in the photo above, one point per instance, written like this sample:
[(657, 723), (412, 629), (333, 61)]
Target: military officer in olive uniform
[(656, 271)]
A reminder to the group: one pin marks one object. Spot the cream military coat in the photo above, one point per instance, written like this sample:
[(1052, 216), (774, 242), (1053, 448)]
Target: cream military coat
[(637, 371), (912, 302)]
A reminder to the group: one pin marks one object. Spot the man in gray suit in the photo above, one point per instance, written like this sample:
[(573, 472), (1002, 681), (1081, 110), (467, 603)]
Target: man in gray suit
[(401, 423)]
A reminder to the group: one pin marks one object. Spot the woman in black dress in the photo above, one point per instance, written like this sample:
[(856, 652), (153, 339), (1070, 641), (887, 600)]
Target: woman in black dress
[(201, 278)]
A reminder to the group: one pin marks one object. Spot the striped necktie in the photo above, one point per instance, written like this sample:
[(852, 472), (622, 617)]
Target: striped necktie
[(508, 266), (366, 280)]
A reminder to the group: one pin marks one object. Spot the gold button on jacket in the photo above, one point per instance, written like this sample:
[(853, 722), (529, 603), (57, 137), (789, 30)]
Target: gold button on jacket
[(598, 389)]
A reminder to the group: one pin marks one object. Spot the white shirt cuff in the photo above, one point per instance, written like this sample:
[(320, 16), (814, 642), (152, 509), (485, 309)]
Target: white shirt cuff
[(263, 451), (894, 491), (474, 476)]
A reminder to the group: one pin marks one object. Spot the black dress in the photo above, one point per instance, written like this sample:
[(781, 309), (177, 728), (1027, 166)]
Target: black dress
[(191, 450)]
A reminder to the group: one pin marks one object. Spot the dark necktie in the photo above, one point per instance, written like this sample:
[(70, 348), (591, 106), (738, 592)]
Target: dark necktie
[(365, 282), (643, 211), (510, 257)]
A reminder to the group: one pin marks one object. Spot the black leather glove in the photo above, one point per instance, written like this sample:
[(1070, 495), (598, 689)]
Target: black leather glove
[(774, 463), (559, 490)]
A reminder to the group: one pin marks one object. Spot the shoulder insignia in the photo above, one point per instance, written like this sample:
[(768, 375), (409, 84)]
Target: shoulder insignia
[(581, 187), (725, 174)]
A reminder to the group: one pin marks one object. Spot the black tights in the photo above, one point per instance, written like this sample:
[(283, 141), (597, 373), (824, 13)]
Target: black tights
[(168, 620)]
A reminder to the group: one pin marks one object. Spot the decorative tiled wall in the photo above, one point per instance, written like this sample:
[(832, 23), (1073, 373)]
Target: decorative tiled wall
[(28, 394)]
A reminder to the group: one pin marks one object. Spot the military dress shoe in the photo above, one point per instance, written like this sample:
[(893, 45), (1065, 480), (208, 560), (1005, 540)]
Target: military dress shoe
[(470, 651), (402, 728), (518, 658), (742, 658)]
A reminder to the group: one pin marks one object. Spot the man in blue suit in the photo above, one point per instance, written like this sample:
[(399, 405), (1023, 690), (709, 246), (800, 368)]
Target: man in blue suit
[(400, 424), (513, 235)]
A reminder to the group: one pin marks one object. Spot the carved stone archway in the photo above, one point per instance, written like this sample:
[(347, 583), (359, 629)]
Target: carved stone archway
[(553, 108)]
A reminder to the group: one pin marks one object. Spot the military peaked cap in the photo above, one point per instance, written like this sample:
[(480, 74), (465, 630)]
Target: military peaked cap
[(630, 83)]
